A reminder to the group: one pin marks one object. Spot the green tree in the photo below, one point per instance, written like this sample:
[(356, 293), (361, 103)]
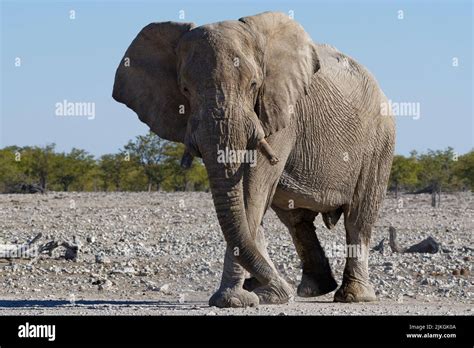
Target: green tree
[(91, 181), (404, 173), (11, 171), (464, 170), (133, 177), (178, 178), (436, 172), (111, 171), (149, 151), (38, 163), (72, 168)]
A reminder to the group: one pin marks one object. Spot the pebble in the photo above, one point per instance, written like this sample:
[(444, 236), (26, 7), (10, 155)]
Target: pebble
[(165, 289), (106, 285), (101, 258)]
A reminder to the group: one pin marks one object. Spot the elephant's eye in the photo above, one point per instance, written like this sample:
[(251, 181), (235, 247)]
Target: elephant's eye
[(253, 85), (185, 90)]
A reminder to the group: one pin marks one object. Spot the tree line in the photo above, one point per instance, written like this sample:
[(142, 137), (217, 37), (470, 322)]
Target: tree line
[(146, 163), (149, 163), (433, 171)]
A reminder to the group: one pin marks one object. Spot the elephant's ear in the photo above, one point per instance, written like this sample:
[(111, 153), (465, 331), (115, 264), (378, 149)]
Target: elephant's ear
[(146, 80), (289, 62)]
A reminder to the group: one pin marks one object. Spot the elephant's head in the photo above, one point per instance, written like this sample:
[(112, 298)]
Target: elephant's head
[(223, 85)]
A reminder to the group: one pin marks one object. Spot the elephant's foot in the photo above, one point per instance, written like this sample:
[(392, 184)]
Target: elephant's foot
[(233, 297), (278, 291), (355, 291), (312, 285)]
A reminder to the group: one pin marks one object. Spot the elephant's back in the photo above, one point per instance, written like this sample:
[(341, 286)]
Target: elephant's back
[(350, 79), (337, 125)]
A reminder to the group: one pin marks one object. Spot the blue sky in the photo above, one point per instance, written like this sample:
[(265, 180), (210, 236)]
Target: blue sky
[(75, 60)]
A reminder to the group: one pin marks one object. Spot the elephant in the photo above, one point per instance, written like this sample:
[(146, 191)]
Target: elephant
[(310, 114)]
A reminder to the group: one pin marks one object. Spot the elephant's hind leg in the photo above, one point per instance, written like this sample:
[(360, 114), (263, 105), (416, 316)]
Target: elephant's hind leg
[(358, 221), (359, 217), (355, 285), (317, 278)]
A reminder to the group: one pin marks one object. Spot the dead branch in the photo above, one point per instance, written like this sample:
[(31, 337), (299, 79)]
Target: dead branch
[(428, 245), (33, 250), (379, 247), (26, 251), (393, 240)]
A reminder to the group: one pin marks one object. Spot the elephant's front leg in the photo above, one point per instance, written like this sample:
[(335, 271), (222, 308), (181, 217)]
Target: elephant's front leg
[(250, 284), (230, 292), (246, 248), (277, 291), (261, 185), (237, 291)]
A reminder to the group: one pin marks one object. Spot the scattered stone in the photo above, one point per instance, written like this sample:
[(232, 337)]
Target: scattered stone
[(428, 281), (101, 258), (128, 270), (165, 289), (106, 285), (429, 245)]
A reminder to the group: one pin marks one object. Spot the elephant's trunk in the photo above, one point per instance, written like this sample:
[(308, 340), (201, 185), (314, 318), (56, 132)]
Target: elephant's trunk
[(226, 182)]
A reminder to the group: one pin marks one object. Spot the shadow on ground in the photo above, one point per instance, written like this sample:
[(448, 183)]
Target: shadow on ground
[(95, 303)]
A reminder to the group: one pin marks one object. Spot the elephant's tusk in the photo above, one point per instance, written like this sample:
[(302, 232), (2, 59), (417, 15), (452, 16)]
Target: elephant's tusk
[(186, 160), (266, 149)]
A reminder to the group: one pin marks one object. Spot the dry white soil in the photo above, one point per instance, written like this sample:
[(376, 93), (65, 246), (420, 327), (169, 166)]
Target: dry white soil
[(161, 254)]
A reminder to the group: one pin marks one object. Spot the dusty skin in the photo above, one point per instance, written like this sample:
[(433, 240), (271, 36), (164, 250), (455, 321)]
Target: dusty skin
[(161, 254), (314, 114)]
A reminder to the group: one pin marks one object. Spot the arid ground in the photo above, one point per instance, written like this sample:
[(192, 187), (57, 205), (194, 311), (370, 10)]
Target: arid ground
[(161, 254)]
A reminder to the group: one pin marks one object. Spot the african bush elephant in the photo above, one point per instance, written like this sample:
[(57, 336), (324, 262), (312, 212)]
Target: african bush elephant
[(312, 116)]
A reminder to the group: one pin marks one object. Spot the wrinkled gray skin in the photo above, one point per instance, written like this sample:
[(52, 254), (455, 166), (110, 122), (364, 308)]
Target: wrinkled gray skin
[(312, 113)]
